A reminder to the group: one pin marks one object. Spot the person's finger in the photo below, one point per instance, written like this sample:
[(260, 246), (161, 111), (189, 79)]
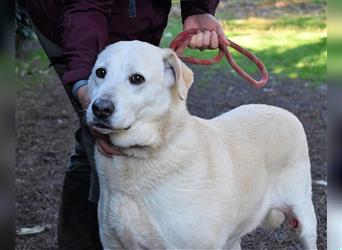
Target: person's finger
[(192, 42), (206, 40), (221, 35), (213, 40), (104, 144), (83, 96), (99, 148), (107, 148), (196, 41)]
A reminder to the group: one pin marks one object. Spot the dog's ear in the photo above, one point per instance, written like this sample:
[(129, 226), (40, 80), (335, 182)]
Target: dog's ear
[(182, 74)]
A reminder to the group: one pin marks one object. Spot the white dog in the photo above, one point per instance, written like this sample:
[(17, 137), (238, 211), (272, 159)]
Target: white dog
[(185, 182)]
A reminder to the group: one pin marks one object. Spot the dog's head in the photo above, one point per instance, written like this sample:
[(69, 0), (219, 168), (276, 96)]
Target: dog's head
[(133, 86)]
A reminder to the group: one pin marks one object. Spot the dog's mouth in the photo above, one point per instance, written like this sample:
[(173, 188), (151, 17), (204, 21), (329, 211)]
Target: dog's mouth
[(105, 128), (102, 125)]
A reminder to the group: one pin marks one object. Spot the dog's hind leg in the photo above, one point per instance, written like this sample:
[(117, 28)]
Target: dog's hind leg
[(297, 195), (305, 214)]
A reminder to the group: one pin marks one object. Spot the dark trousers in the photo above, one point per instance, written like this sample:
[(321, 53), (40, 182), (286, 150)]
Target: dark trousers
[(77, 223)]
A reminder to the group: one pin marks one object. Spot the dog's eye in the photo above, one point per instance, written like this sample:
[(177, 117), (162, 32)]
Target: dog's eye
[(101, 72), (136, 79)]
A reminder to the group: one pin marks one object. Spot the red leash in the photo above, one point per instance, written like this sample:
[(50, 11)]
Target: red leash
[(182, 40)]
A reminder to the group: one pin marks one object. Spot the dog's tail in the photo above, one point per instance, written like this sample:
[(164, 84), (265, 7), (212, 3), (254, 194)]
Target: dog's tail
[(273, 219)]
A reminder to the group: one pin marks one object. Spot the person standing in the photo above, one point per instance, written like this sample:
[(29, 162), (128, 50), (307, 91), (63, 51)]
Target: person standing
[(72, 33)]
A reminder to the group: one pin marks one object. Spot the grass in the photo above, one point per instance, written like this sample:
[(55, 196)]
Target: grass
[(290, 46)]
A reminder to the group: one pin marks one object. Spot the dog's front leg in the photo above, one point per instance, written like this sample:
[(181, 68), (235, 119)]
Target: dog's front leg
[(111, 243), (236, 245), (135, 229), (109, 238)]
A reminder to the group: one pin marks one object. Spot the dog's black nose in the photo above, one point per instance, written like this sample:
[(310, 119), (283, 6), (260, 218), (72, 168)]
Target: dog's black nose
[(102, 108)]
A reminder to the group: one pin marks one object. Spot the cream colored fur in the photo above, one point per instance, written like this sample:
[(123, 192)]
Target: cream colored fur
[(187, 182)]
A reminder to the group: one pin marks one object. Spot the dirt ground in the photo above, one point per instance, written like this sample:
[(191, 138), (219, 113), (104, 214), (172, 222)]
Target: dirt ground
[(46, 122)]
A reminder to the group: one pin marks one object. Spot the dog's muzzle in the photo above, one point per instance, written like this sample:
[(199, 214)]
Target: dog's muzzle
[(102, 109)]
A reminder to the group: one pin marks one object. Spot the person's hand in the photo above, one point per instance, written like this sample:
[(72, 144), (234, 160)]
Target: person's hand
[(102, 141), (208, 39), (104, 145), (83, 96)]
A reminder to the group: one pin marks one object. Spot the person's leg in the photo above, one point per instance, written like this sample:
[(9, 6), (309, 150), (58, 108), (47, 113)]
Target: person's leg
[(77, 224)]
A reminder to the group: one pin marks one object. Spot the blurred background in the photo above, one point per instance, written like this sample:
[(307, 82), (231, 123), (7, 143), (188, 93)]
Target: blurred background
[(7, 128), (289, 36), (335, 124)]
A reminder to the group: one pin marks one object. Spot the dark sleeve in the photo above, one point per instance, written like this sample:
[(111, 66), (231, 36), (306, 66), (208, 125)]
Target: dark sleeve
[(194, 7), (85, 34)]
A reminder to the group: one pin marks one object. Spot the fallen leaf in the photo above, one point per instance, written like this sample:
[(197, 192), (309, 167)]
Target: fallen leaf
[(321, 182), (33, 230)]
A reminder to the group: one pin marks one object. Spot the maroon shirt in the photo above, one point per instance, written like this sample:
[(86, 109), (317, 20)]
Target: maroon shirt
[(85, 27)]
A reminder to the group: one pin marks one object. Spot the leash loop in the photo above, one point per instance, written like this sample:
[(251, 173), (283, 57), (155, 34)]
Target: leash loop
[(182, 40)]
